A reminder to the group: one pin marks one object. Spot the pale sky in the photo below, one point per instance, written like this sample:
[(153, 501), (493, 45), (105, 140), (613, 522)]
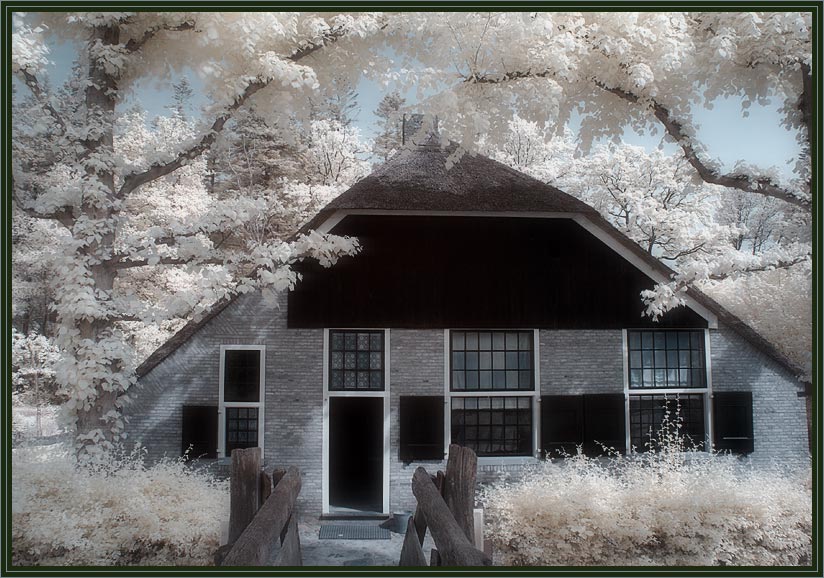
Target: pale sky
[(728, 135)]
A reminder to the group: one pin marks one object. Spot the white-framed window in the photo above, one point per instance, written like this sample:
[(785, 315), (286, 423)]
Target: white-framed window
[(492, 390), (667, 376), (242, 387)]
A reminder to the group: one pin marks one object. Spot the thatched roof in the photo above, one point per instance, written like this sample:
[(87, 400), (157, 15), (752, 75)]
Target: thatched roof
[(432, 178)]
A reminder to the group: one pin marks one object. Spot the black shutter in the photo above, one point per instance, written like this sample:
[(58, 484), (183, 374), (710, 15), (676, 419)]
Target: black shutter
[(604, 423), (421, 421), (562, 424), (200, 431), (732, 421)]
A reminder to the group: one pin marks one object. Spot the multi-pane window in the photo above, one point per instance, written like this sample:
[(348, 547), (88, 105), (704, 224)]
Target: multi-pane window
[(666, 359), (493, 426), (491, 360), (684, 414), (241, 428), (356, 360), (241, 403)]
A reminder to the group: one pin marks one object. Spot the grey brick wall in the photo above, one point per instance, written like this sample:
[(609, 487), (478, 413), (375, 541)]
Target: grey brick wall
[(572, 362), (779, 415)]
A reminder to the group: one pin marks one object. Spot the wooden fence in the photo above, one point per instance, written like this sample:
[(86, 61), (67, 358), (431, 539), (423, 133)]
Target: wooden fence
[(263, 528), (446, 505)]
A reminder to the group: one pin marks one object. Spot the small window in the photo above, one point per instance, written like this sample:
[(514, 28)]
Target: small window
[(241, 428), (493, 426), (666, 359), (241, 377), (356, 360), (732, 421), (491, 360), (421, 425), (647, 413)]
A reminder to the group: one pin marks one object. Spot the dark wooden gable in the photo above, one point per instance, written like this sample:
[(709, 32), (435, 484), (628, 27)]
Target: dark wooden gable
[(468, 272)]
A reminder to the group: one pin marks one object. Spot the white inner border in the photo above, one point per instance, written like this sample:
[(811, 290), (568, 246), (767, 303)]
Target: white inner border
[(221, 413), (535, 394), (355, 393)]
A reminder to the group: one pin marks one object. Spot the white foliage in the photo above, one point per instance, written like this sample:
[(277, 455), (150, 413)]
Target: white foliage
[(114, 511), (666, 508)]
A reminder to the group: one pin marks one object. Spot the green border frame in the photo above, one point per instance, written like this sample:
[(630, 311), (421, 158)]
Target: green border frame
[(9, 6)]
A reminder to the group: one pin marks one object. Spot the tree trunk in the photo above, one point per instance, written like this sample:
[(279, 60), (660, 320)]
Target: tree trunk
[(101, 101)]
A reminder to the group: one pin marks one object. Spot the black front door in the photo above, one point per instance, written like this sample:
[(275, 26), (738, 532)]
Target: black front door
[(356, 453)]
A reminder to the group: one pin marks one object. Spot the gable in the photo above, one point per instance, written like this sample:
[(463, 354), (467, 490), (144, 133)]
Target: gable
[(466, 271)]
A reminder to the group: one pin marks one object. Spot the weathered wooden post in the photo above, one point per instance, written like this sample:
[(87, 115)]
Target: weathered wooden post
[(411, 552), (459, 492), (245, 490), (454, 547)]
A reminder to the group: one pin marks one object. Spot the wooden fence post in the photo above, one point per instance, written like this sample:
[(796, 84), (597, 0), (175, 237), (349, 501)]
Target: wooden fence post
[(454, 548), (411, 552), (245, 490), (459, 492)]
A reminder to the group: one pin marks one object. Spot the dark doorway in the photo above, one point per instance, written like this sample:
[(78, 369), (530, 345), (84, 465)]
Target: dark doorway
[(356, 453)]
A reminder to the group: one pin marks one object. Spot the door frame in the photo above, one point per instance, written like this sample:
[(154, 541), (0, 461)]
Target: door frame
[(355, 393)]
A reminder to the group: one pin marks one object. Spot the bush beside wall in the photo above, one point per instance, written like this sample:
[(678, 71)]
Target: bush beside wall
[(662, 508), (115, 512)]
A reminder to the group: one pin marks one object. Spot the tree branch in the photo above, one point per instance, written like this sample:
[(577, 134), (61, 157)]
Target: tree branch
[(63, 216), (675, 129), (134, 45), (34, 85), (131, 264), (762, 268), (156, 171)]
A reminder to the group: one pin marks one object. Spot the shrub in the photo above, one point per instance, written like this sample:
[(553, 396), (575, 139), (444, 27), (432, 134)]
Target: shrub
[(115, 511), (664, 507)]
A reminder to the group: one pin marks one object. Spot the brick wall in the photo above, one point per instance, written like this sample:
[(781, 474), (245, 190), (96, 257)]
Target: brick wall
[(572, 363)]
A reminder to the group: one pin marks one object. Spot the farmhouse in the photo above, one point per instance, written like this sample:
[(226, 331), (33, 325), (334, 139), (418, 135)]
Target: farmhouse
[(487, 309)]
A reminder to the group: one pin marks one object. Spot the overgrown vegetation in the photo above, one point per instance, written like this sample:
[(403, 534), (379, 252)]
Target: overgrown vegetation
[(668, 506), (114, 511)]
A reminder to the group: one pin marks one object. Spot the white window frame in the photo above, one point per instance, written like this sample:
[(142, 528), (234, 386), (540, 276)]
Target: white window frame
[(327, 393), (705, 391), (535, 394), (222, 405)]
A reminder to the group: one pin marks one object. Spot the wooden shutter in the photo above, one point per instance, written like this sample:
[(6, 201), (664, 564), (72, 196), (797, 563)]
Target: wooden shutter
[(421, 421), (732, 421), (199, 431), (604, 423), (562, 424)]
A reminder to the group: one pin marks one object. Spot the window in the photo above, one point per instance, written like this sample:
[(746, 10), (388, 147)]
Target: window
[(667, 382), (647, 414), (492, 388), (666, 359), (493, 426), (356, 360), (242, 373), (491, 360)]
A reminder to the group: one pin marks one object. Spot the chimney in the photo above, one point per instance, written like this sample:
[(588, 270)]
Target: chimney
[(420, 130)]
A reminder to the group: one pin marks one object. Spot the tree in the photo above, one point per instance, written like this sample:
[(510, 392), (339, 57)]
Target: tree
[(638, 70), (182, 96), (92, 179), (389, 139)]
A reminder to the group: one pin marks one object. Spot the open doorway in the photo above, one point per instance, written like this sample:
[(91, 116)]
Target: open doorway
[(356, 454)]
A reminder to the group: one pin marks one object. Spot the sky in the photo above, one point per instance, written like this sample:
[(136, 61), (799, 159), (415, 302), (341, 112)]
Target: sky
[(727, 134)]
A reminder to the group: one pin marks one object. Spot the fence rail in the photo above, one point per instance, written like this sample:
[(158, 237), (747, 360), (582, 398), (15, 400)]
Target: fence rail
[(263, 528), (446, 508)]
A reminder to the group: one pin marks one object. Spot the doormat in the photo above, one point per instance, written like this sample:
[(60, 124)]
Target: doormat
[(353, 532)]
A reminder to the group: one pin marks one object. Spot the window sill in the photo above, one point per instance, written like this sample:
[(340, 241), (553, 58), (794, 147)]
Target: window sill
[(506, 460)]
